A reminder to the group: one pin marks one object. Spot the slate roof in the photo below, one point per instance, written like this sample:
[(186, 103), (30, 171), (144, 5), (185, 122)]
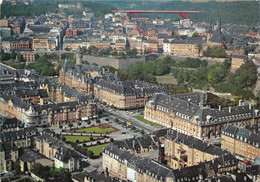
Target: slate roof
[(7, 123), (193, 142), (160, 171), (19, 134), (64, 154), (239, 56), (53, 142), (202, 115), (217, 37), (242, 134), (29, 155)]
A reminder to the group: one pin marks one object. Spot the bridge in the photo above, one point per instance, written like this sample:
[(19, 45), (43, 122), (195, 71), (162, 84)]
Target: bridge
[(181, 13)]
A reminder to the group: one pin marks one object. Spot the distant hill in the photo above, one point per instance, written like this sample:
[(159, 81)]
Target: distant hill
[(240, 12)]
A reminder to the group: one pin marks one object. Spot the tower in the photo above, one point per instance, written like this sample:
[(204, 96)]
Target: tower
[(219, 23), (79, 56)]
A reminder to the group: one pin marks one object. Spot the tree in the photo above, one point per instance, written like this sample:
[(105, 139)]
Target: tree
[(142, 132), (17, 167), (70, 125), (79, 123), (180, 77), (116, 120), (89, 122), (133, 128), (77, 141), (13, 54), (122, 54), (63, 139), (124, 124), (114, 53), (60, 126), (90, 154), (98, 121), (195, 34)]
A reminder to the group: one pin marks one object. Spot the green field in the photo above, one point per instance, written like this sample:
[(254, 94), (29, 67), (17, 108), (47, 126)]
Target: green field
[(141, 118), (80, 138), (166, 79), (97, 149), (95, 129)]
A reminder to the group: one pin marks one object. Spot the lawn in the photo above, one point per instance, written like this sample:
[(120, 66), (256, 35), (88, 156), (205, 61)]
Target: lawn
[(166, 79), (141, 118), (96, 130), (97, 149), (80, 138)]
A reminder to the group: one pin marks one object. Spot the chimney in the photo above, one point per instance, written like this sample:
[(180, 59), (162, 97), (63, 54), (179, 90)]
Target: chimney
[(188, 102), (219, 107), (229, 109), (240, 102), (134, 144)]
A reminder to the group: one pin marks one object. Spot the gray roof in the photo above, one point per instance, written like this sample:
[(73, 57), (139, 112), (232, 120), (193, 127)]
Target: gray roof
[(242, 134), (203, 115)]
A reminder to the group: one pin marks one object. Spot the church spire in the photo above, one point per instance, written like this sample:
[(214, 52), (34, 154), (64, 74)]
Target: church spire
[(219, 23)]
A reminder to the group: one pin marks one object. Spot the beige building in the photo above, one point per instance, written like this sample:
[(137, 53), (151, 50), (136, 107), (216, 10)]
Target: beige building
[(237, 61), (186, 113), (240, 141), (182, 150)]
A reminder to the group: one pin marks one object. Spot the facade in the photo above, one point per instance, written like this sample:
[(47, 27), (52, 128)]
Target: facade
[(240, 141), (28, 57), (182, 150), (10, 142), (237, 61), (48, 114), (67, 159), (186, 114), (124, 165), (187, 47), (10, 124), (47, 145), (79, 77), (125, 94)]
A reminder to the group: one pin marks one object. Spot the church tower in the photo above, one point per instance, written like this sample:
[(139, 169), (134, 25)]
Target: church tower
[(79, 56)]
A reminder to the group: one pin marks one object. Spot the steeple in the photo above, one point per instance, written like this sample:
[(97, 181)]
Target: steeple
[(219, 23), (65, 66)]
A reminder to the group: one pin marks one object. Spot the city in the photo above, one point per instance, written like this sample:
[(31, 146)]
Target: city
[(129, 91)]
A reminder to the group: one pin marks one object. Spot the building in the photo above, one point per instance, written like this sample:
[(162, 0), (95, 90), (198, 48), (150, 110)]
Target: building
[(125, 94), (186, 114), (237, 61), (79, 77), (124, 165), (43, 44), (182, 150), (240, 141), (186, 47), (29, 157), (48, 114), (10, 124), (67, 159), (29, 57), (10, 144), (8, 156), (47, 145)]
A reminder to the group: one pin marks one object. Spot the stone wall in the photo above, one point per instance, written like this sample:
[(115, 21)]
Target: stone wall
[(118, 63)]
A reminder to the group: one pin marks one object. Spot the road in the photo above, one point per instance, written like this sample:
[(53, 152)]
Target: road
[(138, 124)]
